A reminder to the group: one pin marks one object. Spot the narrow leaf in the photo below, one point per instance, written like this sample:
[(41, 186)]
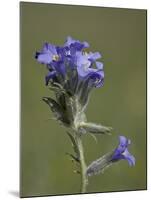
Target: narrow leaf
[(74, 144), (57, 110), (73, 157), (95, 128)]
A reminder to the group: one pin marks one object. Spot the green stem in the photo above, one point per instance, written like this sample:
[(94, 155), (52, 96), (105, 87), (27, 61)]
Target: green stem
[(84, 179)]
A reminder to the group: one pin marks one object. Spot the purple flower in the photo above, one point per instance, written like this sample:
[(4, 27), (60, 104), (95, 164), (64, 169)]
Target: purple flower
[(97, 78), (75, 44), (121, 152), (86, 62), (47, 55), (50, 75)]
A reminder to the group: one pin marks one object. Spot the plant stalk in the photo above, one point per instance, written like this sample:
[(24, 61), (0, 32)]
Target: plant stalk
[(84, 179)]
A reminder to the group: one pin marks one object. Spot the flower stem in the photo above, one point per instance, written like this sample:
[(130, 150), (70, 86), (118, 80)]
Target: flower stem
[(84, 179)]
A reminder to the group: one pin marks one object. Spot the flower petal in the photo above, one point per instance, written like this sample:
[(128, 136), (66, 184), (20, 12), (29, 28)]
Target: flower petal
[(43, 58), (76, 43), (69, 41), (121, 152), (49, 76), (130, 158), (123, 140), (101, 80), (59, 67), (99, 65), (52, 49), (94, 56), (96, 76)]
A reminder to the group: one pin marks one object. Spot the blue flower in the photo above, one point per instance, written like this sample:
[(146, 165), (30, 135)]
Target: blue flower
[(47, 55), (85, 62), (88, 67), (97, 78), (49, 76), (121, 152), (75, 44)]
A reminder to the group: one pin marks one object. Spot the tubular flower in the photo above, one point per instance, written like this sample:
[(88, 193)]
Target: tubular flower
[(121, 152)]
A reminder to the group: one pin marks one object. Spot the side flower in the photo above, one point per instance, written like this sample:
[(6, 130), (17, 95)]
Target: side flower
[(120, 153)]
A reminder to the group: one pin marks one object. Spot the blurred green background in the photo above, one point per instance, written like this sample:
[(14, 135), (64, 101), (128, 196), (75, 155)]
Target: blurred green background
[(120, 35)]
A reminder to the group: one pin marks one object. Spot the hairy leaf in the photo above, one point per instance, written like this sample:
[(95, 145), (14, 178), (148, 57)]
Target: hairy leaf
[(74, 144), (94, 128), (57, 110)]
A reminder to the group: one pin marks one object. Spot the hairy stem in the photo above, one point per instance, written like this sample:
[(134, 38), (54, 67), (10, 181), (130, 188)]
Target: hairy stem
[(84, 179)]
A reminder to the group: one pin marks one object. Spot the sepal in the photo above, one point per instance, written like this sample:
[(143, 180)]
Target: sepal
[(99, 165)]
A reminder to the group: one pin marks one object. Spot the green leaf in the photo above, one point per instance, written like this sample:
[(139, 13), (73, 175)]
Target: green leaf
[(74, 144), (73, 157), (94, 128), (57, 110)]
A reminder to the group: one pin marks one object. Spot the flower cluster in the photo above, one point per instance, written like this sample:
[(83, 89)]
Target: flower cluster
[(71, 57)]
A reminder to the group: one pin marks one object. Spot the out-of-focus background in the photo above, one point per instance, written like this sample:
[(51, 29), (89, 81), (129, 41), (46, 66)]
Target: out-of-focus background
[(120, 36)]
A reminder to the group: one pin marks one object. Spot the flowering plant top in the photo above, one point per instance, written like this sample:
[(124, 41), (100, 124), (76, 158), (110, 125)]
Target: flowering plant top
[(72, 56), (73, 72)]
